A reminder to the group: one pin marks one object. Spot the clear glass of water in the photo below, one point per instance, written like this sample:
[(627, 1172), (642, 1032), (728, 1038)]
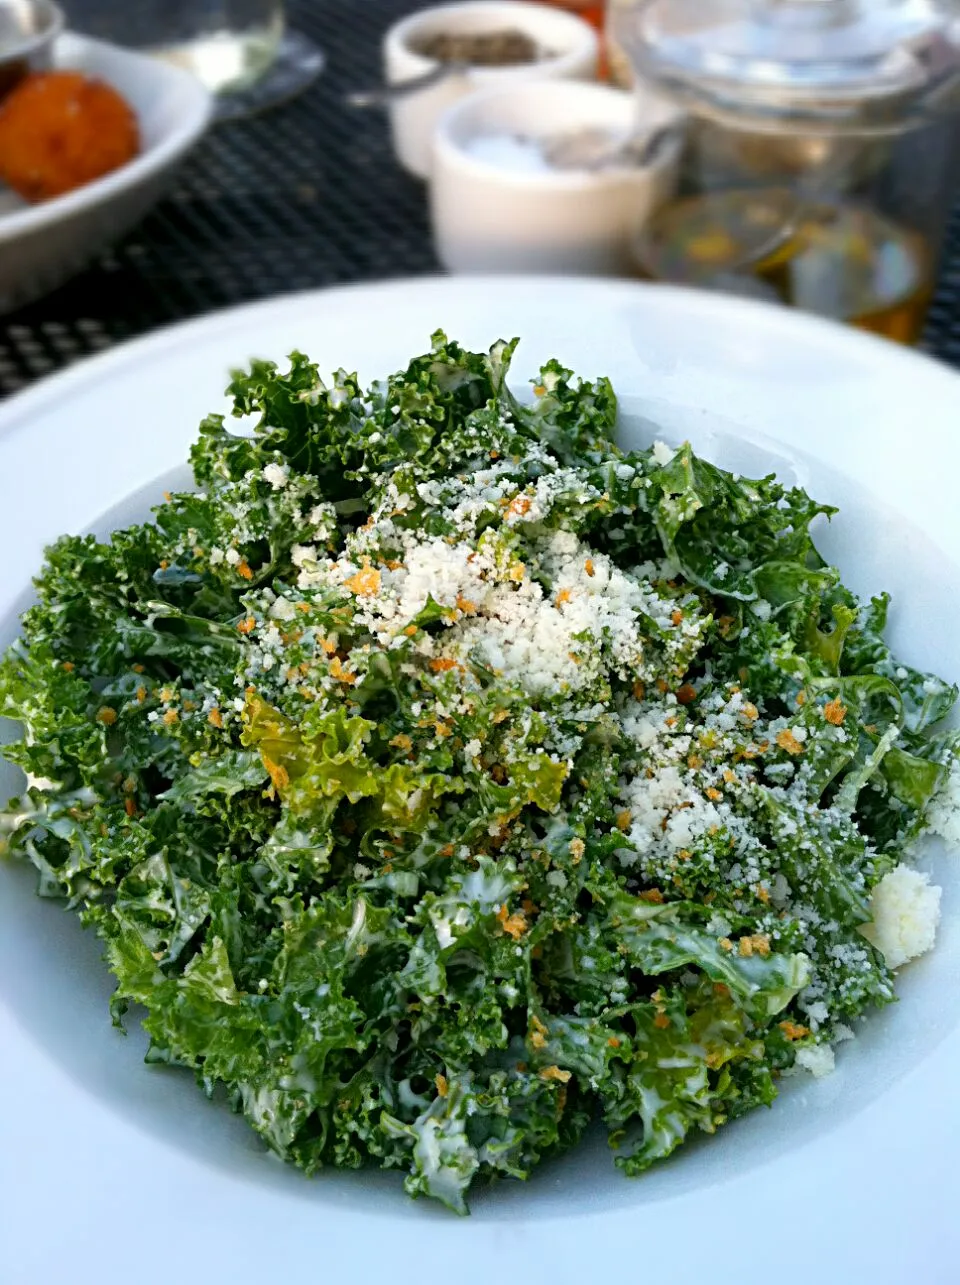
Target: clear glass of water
[(228, 44), (242, 50)]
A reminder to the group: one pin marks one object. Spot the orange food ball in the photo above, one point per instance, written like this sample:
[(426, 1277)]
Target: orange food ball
[(60, 130)]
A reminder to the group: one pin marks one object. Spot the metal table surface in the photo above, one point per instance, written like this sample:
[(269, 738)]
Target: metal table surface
[(305, 195)]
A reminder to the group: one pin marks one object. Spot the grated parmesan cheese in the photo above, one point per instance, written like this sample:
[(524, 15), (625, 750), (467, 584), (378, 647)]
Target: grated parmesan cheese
[(943, 817)]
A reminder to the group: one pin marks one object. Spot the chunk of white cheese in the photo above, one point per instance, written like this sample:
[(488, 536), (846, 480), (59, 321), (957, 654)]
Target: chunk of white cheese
[(818, 1059), (277, 475), (906, 912), (662, 453)]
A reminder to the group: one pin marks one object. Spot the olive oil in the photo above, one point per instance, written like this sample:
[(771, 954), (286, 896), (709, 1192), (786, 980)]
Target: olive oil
[(839, 260)]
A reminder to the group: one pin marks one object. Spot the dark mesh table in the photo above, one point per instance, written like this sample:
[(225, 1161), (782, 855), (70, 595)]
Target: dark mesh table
[(306, 195)]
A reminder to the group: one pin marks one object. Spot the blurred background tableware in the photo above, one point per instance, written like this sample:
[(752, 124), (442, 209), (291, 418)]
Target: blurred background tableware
[(620, 69), (28, 30), (597, 13), (541, 177), (592, 11), (821, 159), (242, 50), (505, 41), (44, 244), (386, 95), (310, 195)]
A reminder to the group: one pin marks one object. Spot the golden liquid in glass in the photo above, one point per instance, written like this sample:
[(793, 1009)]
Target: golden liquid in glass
[(841, 261)]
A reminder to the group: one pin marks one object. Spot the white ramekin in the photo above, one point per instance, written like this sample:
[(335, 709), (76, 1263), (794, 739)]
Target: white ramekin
[(573, 42), (492, 219)]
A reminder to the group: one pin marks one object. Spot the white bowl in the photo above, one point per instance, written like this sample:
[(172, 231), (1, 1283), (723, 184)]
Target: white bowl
[(489, 218), (858, 1170), (413, 119), (42, 245)]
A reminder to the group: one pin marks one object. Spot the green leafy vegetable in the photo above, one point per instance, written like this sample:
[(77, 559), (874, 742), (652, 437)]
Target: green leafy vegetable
[(439, 777)]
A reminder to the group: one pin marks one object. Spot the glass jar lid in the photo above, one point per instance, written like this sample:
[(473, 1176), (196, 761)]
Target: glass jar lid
[(840, 63)]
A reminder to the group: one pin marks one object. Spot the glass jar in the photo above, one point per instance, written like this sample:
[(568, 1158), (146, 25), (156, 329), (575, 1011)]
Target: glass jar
[(820, 150)]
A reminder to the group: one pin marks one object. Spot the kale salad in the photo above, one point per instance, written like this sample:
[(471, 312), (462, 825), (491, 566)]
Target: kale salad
[(440, 778)]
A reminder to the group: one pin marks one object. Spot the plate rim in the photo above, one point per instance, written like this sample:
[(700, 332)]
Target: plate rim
[(128, 351)]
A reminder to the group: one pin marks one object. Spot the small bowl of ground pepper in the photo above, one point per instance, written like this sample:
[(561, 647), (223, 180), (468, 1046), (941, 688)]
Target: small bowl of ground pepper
[(484, 42)]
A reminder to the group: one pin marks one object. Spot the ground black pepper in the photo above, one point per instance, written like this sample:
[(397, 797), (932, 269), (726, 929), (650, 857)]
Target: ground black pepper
[(480, 49)]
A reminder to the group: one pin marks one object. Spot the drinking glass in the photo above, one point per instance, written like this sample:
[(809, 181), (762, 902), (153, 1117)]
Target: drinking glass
[(240, 49), (228, 44)]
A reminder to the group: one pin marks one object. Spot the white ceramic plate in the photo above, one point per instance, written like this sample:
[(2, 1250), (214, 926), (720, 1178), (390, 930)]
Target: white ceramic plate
[(42, 245), (112, 1172)]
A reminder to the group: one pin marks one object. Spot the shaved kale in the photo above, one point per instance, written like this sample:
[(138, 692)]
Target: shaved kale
[(439, 777)]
